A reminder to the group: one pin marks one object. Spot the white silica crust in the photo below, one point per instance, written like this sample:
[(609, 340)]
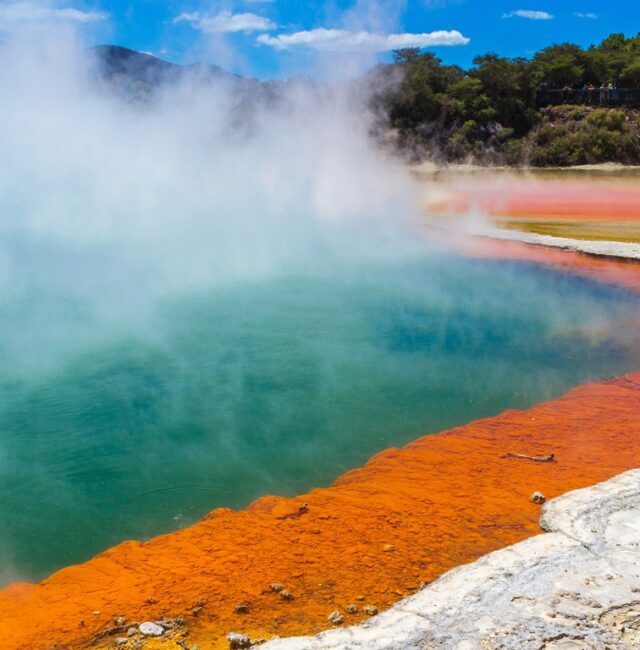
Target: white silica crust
[(624, 250), (574, 587)]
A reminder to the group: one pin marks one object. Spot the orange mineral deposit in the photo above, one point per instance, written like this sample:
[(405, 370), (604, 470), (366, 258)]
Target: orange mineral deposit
[(374, 536)]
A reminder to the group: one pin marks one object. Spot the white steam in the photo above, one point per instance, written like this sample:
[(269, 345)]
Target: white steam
[(122, 201)]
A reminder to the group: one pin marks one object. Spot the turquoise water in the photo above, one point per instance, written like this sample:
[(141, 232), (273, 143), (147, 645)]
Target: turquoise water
[(272, 386)]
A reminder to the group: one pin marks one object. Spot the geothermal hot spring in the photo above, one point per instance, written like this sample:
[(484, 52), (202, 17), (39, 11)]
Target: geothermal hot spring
[(201, 304)]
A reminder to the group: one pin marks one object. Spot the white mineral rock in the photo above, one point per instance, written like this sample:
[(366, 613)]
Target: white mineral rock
[(575, 587), (150, 629)]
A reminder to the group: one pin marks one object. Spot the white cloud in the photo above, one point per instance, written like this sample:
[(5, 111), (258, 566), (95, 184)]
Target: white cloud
[(226, 21), (528, 13), (21, 13), (342, 40), (589, 14)]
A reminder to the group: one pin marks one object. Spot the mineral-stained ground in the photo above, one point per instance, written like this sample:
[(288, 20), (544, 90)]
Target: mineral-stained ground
[(372, 538)]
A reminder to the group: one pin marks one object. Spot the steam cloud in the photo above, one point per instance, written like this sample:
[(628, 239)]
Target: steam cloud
[(114, 206), (120, 202)]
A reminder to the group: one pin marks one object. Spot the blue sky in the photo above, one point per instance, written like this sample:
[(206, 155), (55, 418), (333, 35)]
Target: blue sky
[(275, 38)]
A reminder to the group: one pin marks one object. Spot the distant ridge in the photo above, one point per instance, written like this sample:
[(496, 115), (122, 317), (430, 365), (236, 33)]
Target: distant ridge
[(128, 69)]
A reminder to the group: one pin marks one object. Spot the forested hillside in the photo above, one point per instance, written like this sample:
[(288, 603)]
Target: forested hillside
[(499, 110)]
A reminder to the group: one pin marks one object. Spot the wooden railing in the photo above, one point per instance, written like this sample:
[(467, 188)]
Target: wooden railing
[(590, 97)]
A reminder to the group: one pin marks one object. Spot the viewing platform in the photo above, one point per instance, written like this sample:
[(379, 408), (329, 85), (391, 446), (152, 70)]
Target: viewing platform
[(609, 97)]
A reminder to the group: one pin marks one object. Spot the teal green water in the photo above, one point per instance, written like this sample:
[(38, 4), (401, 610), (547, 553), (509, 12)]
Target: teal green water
[(271, 387)]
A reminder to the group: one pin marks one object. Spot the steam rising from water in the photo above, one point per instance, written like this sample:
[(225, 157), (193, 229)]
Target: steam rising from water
[(120, 202), (204, 297), (113, 207)]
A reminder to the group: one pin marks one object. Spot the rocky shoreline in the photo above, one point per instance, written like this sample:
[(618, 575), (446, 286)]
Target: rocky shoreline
[(577, 586)]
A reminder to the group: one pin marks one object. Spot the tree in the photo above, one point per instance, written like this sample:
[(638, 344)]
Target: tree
[(509, 85), (560, 65), (406, 55)]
